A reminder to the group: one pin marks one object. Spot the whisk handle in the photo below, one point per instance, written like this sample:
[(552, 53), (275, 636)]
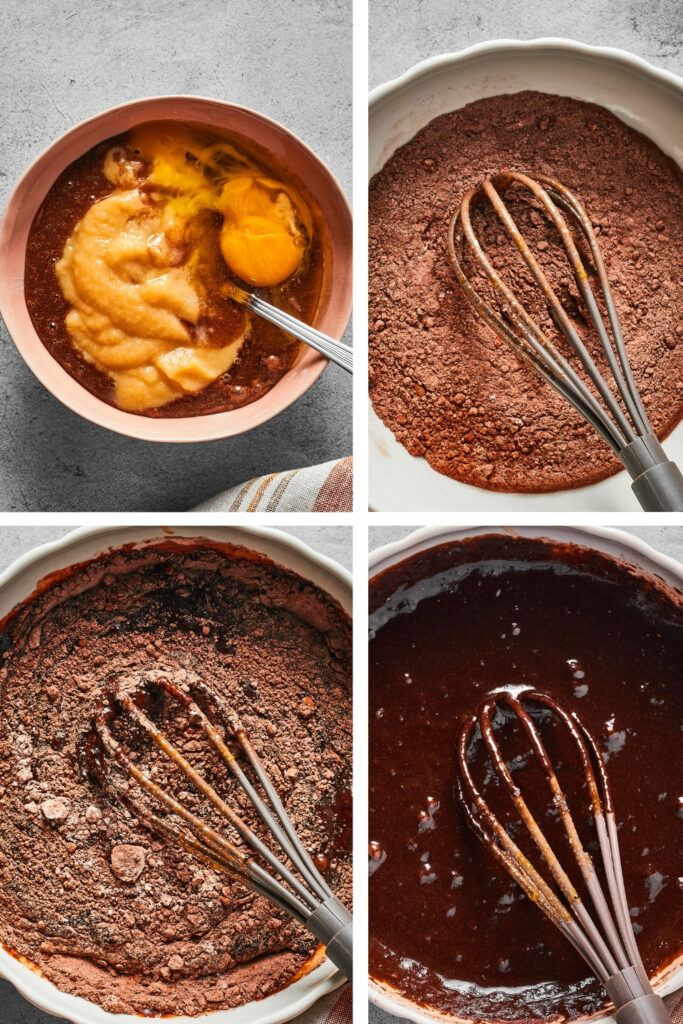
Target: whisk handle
[(634, 999), (340, 950), (657, 482), (644, 1010), (660, 489), (332, 923)]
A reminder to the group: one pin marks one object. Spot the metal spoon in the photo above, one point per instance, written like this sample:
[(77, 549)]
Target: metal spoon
[(332, 349)]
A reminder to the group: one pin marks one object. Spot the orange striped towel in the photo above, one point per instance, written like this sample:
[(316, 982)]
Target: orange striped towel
[(324, 488)]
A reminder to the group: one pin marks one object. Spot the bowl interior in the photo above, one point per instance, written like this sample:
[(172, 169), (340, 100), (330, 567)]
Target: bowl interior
[(617, 544), (641, 96), (335, 303), (17, 583)]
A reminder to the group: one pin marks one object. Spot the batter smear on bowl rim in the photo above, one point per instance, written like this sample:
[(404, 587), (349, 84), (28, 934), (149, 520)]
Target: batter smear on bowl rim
[(102, 907), (448, 929), (449, 390)]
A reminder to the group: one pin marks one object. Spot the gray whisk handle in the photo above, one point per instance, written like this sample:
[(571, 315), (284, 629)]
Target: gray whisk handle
[(643, 1010), (635, 1002), (340, 950), (332, 924), (657, 482), (660, 489)]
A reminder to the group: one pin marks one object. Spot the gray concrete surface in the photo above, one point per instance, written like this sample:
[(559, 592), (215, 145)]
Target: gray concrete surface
[(666, 539), (62, 61), (333, 541), (403, 32)]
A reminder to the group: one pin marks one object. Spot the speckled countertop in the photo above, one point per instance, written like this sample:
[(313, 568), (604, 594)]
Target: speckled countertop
[(403, 32)]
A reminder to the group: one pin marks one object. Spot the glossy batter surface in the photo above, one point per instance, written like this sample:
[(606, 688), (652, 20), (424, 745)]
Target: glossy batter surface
[(448, 928)]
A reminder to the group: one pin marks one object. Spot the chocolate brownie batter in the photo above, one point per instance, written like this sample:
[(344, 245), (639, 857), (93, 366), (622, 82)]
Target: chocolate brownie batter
[(105, 909), (446, 387), (448, 927)]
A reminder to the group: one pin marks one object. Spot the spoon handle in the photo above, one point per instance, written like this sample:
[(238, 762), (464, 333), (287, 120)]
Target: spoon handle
[(332, 349)]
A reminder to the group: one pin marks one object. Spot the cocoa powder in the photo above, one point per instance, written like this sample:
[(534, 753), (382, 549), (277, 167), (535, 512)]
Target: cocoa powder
[(446, 387), (104, 908)]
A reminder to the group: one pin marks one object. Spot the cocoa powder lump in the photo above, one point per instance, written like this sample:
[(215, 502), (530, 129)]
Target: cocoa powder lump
[(447, 388), (104, 908)]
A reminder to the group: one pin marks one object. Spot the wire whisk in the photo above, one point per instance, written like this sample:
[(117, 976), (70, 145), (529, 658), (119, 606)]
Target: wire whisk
[(296, 887), (604, 938), (618, 415)]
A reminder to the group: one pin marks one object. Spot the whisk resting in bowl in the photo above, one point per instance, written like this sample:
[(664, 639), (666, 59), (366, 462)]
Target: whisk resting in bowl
[(297, 888), (607, 944), (618, 416)]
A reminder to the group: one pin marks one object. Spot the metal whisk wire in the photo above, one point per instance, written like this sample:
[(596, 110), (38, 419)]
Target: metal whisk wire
[(621, 422), (608, 946), (306, 896)]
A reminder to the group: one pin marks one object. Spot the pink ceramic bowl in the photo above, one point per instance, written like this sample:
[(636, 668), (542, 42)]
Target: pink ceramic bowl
[(335, 302)]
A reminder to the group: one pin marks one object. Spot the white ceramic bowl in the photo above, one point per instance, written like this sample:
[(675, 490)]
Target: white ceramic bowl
[(17, 583), (612, 542), (648, 99)]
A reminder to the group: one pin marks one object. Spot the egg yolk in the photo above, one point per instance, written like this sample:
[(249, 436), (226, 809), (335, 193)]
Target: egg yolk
[(266, 225), (262, 239)]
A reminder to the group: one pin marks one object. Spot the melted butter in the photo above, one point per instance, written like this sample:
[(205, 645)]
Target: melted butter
[(137, 268)]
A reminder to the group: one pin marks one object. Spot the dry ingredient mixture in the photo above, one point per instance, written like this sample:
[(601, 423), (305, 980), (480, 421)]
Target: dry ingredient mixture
[(439, 379), (448, 927), (102, 907)]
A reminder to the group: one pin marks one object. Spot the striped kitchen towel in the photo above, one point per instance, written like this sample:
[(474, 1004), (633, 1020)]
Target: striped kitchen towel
[(324, 488)]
